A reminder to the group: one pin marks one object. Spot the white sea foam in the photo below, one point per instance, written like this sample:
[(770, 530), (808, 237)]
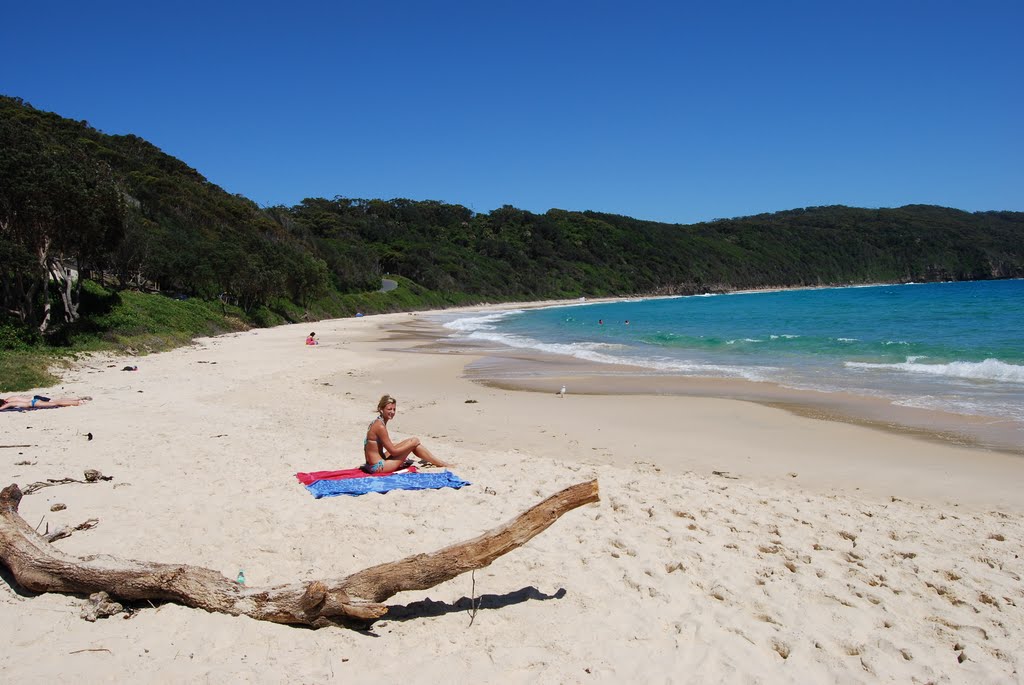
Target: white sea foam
[(482, 328), (484, 320), (957, 405), (988, 370)]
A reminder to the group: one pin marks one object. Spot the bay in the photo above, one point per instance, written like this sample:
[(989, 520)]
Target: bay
[(951, 347)]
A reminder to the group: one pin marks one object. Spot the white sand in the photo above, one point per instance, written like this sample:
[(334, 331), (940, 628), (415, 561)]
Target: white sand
[(884, 558)]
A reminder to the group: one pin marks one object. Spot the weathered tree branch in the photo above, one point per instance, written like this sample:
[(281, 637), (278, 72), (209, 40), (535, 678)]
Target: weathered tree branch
[(66, 531), (356, 599), (91, 476)]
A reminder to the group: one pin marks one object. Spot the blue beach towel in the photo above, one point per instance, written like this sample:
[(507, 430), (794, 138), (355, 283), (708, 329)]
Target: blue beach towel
[(382, 484)]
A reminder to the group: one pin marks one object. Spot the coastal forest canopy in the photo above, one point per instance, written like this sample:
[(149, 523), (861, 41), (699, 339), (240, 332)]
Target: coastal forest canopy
[(78, 205)]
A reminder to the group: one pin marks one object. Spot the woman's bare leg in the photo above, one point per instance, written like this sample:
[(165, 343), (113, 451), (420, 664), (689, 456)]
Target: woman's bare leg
[(61, 402), (415, 447), (423, 453)]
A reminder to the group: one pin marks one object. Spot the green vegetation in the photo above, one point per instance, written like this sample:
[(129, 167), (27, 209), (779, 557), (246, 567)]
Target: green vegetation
[(20, 370), (108, 243)]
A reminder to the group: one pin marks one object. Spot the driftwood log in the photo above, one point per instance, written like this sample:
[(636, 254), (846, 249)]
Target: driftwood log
[(352, 601)]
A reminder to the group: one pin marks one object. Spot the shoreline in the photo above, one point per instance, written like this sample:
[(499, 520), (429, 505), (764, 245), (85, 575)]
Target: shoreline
[(734, 542), (787, 430), (531, 370), (871, 412)]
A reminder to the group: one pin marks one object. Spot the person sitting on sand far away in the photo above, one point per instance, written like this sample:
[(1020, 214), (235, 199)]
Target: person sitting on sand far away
[(311, 340), (39, 402), (384, 456)]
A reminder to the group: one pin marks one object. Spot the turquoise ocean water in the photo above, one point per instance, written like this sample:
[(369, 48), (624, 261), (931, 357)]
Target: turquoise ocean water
[(956, 347)]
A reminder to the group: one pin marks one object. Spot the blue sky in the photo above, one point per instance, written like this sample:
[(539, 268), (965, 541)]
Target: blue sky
[(668, 111)]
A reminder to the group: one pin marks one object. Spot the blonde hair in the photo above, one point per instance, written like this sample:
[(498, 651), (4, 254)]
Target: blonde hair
[(385, 400)]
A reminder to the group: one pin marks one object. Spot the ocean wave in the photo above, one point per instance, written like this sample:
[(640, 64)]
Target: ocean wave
[(957, 405), (988, 370), (771, 336), (598, 352), (467, 324)]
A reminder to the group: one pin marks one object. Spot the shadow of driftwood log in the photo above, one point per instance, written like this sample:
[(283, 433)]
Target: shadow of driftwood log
[(429, 608)]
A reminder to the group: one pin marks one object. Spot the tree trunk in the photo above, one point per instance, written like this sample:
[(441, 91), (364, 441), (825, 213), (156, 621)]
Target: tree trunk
[(353, 601), (43, 253), (61, 275)]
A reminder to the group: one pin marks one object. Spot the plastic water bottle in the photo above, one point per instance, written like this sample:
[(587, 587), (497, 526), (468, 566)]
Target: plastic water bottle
[(241, 577)]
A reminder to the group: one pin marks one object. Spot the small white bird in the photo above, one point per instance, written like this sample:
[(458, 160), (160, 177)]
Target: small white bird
[(561, 393)]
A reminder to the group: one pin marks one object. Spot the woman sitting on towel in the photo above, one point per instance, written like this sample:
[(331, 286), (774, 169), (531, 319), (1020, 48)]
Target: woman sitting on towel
[(39, 402), (384, 456)]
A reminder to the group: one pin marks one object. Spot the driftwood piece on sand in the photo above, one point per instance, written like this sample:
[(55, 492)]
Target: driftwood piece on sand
[(353, 601), (91, 476), (66, 531)]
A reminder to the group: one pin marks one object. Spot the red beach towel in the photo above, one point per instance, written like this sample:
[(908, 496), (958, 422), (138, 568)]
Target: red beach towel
[(308, 478)]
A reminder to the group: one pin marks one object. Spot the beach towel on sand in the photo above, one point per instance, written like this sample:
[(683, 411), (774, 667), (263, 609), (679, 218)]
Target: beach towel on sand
[(307, 478), (393, 481)]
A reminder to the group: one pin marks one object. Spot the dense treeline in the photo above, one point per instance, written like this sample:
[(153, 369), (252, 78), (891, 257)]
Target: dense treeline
[(122, 213), (117, 209), (512, 254)]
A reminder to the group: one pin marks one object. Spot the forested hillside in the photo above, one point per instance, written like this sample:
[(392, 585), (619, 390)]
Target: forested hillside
[(127, 216)]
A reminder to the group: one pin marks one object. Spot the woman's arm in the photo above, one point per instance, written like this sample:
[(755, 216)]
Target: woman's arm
[(380, 431)]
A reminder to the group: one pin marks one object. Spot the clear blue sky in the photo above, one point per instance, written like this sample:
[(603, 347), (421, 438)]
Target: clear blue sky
[(669, 111)]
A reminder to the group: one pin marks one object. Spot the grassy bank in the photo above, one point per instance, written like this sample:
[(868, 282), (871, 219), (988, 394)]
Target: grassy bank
[(130, 322)]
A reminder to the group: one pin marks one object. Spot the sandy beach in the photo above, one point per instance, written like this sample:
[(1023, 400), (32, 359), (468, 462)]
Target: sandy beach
[(734, 541)]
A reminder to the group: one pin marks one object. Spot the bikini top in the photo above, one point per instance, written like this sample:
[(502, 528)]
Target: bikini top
[(368, 439)]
